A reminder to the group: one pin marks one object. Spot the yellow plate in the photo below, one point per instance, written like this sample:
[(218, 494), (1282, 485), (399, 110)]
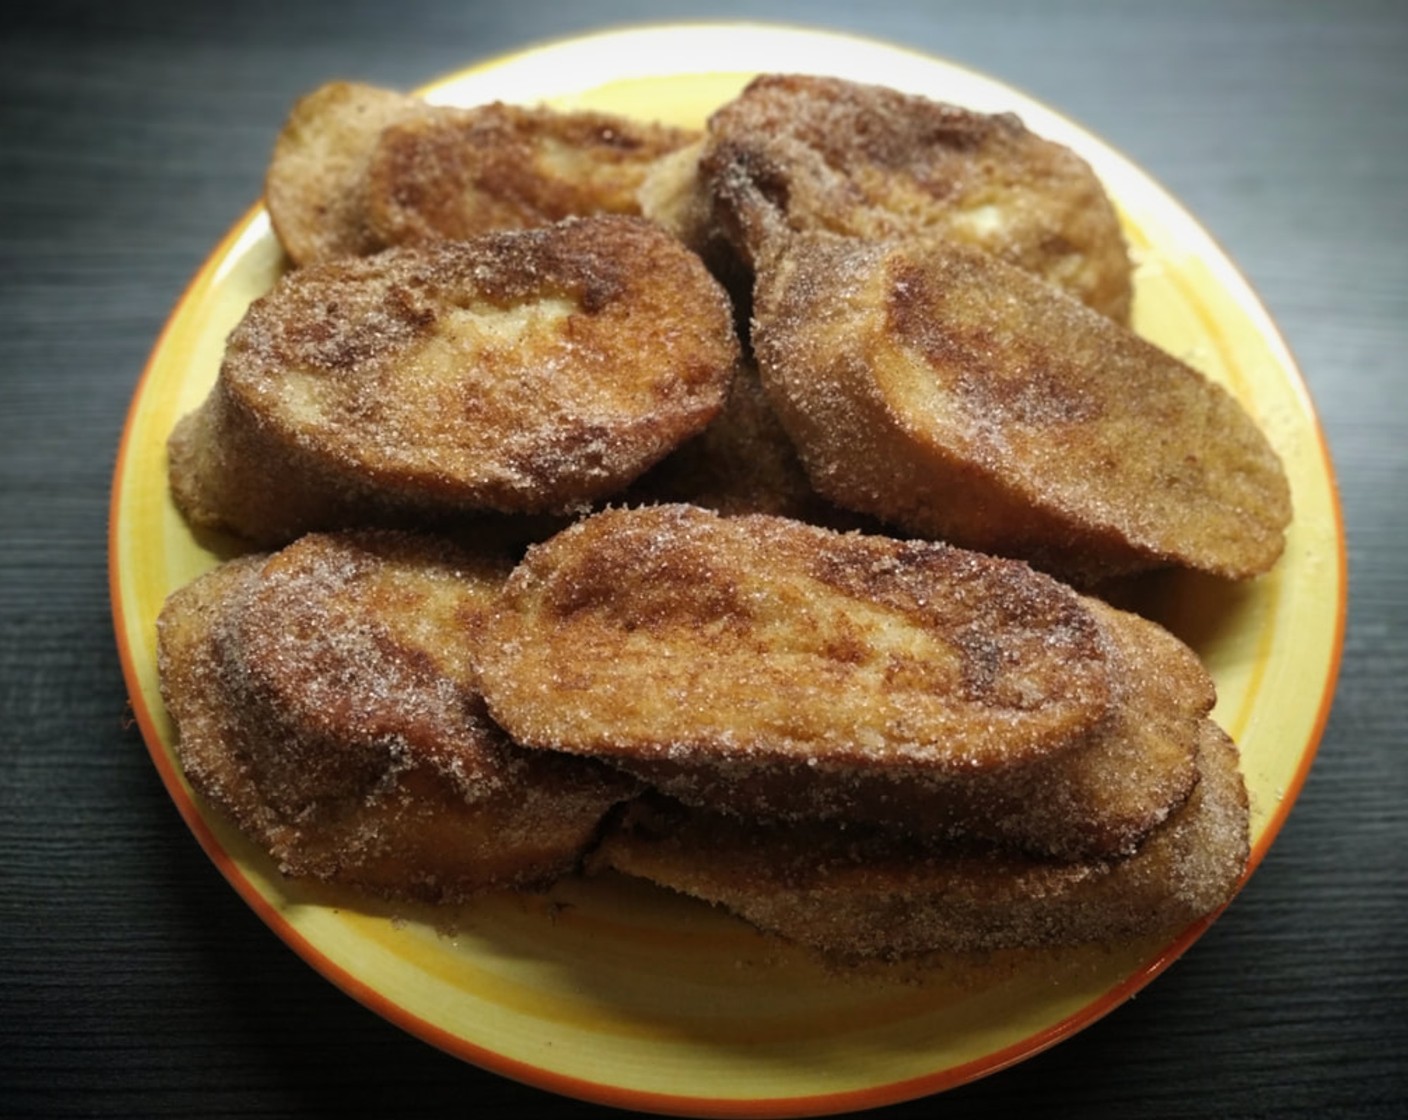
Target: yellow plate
[(613, 992)]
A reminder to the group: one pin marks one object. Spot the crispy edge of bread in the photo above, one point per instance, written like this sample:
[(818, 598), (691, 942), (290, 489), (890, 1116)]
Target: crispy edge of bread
[(850, 893)]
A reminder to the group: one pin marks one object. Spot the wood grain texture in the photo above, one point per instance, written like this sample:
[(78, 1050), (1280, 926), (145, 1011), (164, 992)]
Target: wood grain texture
[(133, 982)]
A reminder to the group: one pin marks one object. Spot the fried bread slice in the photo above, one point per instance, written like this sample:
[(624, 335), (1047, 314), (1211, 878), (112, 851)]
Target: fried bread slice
[(326, 699), (795, 152), (315, 187), (528, 371), (769, 668), (954, 396), (856, 893), (457, 173)]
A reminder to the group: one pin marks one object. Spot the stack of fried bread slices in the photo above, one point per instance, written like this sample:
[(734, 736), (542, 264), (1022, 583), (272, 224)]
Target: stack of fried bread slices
[(728, 509), (327, 698)]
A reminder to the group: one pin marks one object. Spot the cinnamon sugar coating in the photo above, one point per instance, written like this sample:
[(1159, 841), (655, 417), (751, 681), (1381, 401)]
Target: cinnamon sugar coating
[(357, 168), (795, 152), (327, 699), (530, 371), (955, 396), (761, 666), (315, 187), (457, 173)]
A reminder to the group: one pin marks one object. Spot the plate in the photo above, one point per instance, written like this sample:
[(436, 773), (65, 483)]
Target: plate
[(614, 992)]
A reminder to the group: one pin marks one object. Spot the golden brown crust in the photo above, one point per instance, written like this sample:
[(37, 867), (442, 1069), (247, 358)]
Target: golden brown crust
[(761, 634), (955, 396), (457, 173), (529, 371), (810, 153), (766, 667), (327, 699), (853, 892), (316, 184)]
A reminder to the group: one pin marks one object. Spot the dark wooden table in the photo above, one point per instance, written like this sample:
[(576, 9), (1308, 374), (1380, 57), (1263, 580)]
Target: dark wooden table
[(133, 981)]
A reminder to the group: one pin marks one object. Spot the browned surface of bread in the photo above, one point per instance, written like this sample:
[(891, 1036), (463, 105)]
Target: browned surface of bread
[(796, 153), (316, 184), (954, 396), (852, 892), (326, 698), (765, 667), (457, 173), (529, 371)]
